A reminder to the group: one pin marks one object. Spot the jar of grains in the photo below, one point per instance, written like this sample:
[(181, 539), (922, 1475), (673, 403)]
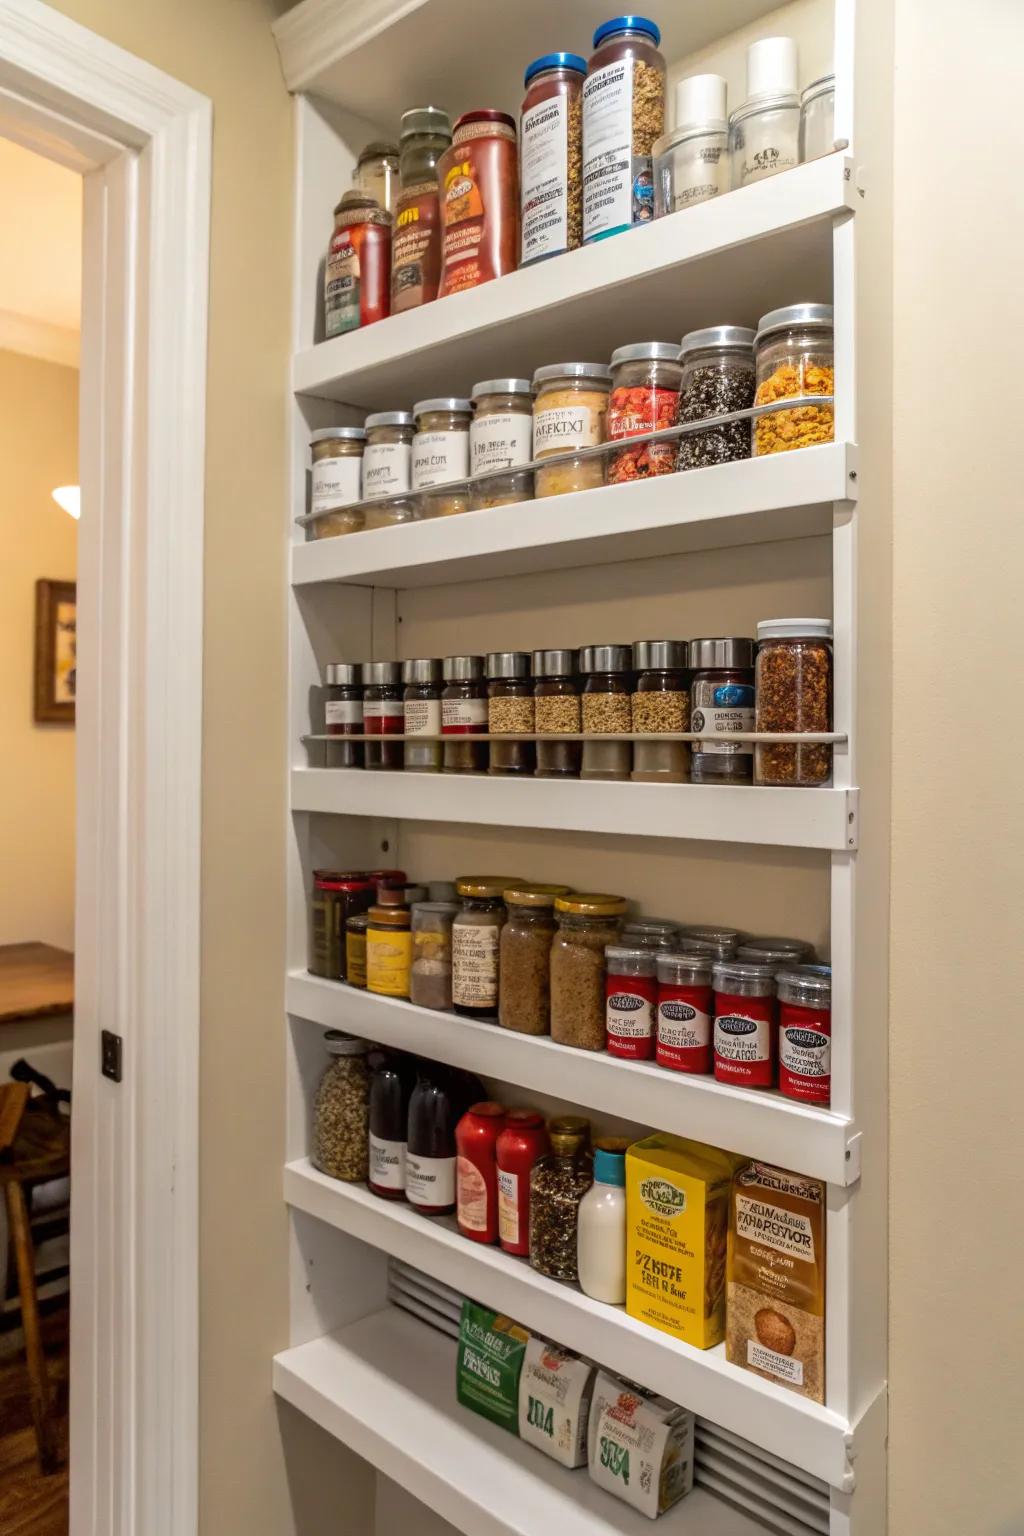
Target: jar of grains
[(479, 189), (430, 976), (510, 709), (337, 458), (722, 705), (440, 453), (422, 700), (388, 950), (794, 356), (586, 924), (661, 706), (383, 713), (764, 131), (337, 894), (691, 164), (387, 457), (525, 1001), (355, 949), (377, 173), (644, 398), (501, 442), (357, 274), (556, 694), (623, 114), (558, 1183), (817, 119), (476, 935), (464, 714), (569, 411), (416, 258), (606, 711), (718, 378), (341, 1110), (793, 692), (343, 713), (551, 156)]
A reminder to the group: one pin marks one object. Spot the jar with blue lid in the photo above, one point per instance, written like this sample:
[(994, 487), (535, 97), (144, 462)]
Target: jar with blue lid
[(623, 115), (551, 156), (722, 707)]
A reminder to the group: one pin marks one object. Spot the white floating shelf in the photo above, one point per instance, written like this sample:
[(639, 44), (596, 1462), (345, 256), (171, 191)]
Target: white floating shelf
[(584, 304), (385, 1386), (763, 1125), (804, 1433)]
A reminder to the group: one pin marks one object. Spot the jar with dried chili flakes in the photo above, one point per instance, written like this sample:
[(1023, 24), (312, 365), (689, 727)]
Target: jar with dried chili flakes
[(644, 398)]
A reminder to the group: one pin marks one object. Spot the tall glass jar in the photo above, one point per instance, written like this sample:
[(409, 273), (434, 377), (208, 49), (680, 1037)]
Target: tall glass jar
[(377, 173), (606, 711), (476, 936), (383, 713), (464, 714), (718, 378), (817, 119), (586, 925), (479, 184), (430, 978), (558, 1183), (341, 1110), (337, 458), (661, 706), (556, 694), (623, 115), (722, 705), (343, 713), (569, 412), (510, 709), (793, 692), (501, 439), (387, 457), (337, 894), (422, 716), (525, 998), (794, 356), (551, 156), (644, 398), (357, 275), (416, 259), (440, 454)]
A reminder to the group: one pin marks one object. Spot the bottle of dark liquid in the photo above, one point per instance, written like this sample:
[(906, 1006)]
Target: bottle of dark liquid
[(390, 1087), (430, 1159)]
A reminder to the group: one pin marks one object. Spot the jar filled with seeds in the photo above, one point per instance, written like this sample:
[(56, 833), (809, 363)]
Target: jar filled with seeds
[(551, 156), (464, 714), (525, 1001), (817, 119), (722, 706), (430, 976), (586, 925), (387, 457), (644, 398), (440, 454), (606, 711), (558, 1183), (337, 457), (341, 1114), (355, 949), (623, 114), (569, 412), (661, 706), (718, 378), (794, 356), (383, 713), (476, 936), (421, 677), (510, 710), (793, 692), (556, 694), (501, 439)]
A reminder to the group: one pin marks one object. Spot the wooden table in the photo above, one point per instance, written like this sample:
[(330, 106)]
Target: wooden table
[(36, 980)]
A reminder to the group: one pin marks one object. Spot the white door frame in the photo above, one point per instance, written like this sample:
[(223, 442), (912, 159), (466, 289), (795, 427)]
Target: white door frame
[(143, 144)]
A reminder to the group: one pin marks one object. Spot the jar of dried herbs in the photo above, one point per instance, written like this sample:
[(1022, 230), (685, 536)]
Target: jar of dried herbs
[(793, 692), (556, 694), (606, 711), (661, 707), (558, 1183), (718, 378), (341, 1113), (586, 925), (510, 711), (430, 978), (440, 454), (476, 937), (525, 995)]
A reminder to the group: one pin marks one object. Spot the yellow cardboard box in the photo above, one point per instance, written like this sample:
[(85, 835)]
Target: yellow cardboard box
[(677, 1221)]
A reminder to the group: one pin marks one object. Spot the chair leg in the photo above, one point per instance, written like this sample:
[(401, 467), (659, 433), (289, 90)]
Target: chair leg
[(39, 1385)]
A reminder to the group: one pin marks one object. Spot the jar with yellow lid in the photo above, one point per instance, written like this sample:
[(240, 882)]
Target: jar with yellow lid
[(524, 1002), (476, 935), (388, 951), (586, 923)]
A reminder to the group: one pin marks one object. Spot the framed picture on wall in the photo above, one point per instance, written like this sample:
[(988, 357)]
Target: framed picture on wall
[(56, 659)]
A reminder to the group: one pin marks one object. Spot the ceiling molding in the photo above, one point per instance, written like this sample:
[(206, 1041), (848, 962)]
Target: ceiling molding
[(38, 338)]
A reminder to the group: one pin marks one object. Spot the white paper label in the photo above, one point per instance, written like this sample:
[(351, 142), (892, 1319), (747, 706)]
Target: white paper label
[(806, 1052), (544, 167), (438, 458), (423, 717), (475, 965), (628, 1016), (719, 711), (789, 1232), (689, 176), (501, 441), (508, 1207), (335, 483), (607, 149), (683, 1026), (783, 1366), (456, 713), (343, 712), (387, 1163), (739, 1038), (429, 1180), (386, 469), (562, 428), (383, 709)]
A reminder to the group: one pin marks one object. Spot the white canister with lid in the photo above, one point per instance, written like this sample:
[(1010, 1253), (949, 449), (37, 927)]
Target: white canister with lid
[(765, 130), (691, 164)]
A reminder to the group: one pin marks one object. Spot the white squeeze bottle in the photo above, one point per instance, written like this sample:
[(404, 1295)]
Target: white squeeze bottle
[(601, 1239)]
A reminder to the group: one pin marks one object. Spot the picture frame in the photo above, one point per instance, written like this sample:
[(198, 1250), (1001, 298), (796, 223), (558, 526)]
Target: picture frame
[(56, 652)]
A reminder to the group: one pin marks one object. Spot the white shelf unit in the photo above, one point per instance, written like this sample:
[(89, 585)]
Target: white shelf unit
[(699, 553)]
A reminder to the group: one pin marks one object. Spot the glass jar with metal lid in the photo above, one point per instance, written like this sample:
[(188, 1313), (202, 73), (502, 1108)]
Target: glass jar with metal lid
[(685, 1012), (337, 895), (337, 456), (440, 453), (764, 136), (652, 932), (501, 438), (586, 925), (341, 1110), (476, 935), (794, 355), (377, 173), (416, 260), (355, 949), (722, 706), (817, 118), (691, 164), (569, 412), (464, 714), (606, 712), (787, 952), (422, 679), (724, 939), (718, 378), (745, 1044), (343, 713), (556, 693), (524, 1003), (661, 706), (387, 457), (644, 398), (390, 514), (510, 709), (388, 950), (793, 687), (383, 713), (805, 1034)]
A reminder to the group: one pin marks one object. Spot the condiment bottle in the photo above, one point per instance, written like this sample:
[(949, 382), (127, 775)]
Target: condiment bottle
[(478, 178), (357, 276), (661, 706), (388, 951), (557, 711), (691, 164), (476, 1137), (510, 708), (557, 1185), (522, 1143), (416, 261), (343, 713), (685, 1010), (390, 1085), (623, 115), (476, 936), (805, 1034), (793, 692), (606, 711), (430, 1158), (464, 714), (745, 1043), (601, 1232), (551, 156), (764, 132), (422, 701), (430, 978), (383, 713), (336, 895), (630, 991), (377, 173), (722, 704), (644, 398), (387, 457), (341, 1110)]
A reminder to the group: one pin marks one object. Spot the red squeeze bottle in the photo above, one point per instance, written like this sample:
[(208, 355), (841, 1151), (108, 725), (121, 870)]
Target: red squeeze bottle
[(476, 1168), (523, 1141)]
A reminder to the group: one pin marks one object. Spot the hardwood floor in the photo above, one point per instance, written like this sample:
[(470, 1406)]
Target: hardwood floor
[(32, 1505)]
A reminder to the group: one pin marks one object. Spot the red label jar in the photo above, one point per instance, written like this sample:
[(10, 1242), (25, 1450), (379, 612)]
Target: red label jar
[(479, 191), (630, 991), (522, 1143), (357, 276), (685, 1012), (476, 1171), (744, 1024), (644, 398), (805, 1033)]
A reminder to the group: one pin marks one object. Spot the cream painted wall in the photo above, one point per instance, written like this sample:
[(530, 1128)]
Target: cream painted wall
[(38, 450)]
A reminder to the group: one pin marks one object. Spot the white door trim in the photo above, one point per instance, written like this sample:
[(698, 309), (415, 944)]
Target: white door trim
[(143, 142)]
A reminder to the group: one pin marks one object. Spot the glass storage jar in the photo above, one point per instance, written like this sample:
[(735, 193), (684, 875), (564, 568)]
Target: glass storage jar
[(440, 454), (383, 713), (422, 700), (722, 705), (556, 693), (416, 258), (631, 998), (685, 1011), (391, 514), (805, 1035), (558, 1183), (464, 714), (569, 411), (501, 439), (623, 115), (661, 706), (524, 1003), (343, 713), (387, 457), (430, 977), (605, 669), (794, 356), (551, 156), (793, 692), (337, 894), (644, 398), (510, 709), (745, 1044), (355, 949), (718, 378), (476, 935), (691, 164), (479, 188), (377, 173), (817, 119), (764, 137), (586, 925), (337, 458), (341, 1110), (388, 950), (709, 939), (357, 274)]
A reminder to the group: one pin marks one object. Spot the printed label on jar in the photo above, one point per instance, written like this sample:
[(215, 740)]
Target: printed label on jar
[(472, 1196), (462, 715), (743, 1048), (388, 957), (429, 1180), (383, 717), (423, 717), (386, 469), (387, 1163), (335, 483), (343, 712), (608, 138), (508, 1207), (805, 1053), (629, 1019), (718, 713), (783, 1366), (684, 1035), (341, 288), (501, 441), (562, 428), (697, 178), (438, 458), (475, 965), (544, 159)]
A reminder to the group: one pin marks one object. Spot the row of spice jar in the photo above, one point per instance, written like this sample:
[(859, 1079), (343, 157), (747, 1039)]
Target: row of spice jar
[(717, 688)]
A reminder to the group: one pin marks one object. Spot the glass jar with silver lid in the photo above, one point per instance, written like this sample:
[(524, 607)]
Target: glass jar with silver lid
[(337, 459), (464, 714), (383, 713), (387, 457), (794, 355), (501, 438), (343, 713), (556, 695), (764, 133), (722, 705), (691, 164), (661, 707), (605, 671), (440, 453), (570, 411), (818, 119), (421, 677), (510, 710)]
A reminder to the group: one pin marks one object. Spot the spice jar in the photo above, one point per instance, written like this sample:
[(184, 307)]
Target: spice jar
[(587, 924), (703, 938), (416, 260), (387, 457), (793, 692), (744, 1037), (357, 276), (650, 932), (343, 713), (377, 173), (569, 410), (786, 953), (718, 378), (818, 118), (557, 1185), (476, 937), (805, 1035), (794, 356), (383, 713), (440, 453), (430, 977), (388, 950), (623, 115), (390, 514), (644, 398), (691, 164), (556, 697), (430, 1158), (606, 710), (630, 992), (390, 1089), (501, 439), (510, 709), (661, 706), (685, 1011), (479, 183), (464, 714), (764, 132), (341, 1110), (355, 949), (525, 961), (722, 704), (337, 895), (522, 1143), (551, 156), (422, 717), (476, 1138), (337, 457)]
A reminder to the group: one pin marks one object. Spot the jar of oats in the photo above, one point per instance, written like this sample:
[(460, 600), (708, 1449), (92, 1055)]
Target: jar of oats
[(510, 710), (623, 114), (793, 692), (341, 1116), (586, 924), (794, 356), (556, 695), (569, 411), (606, 712), (661, 706)]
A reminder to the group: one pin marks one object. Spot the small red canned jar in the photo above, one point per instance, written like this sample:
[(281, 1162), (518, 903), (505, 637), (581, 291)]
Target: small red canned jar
[(745, 1044), (523, 1141), (685, 1012), (631, 998), (805, 1034), (476, 1171)]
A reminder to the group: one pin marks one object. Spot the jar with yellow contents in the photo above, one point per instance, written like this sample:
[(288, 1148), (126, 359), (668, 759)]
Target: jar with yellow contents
[(388, 951), (793, 357)]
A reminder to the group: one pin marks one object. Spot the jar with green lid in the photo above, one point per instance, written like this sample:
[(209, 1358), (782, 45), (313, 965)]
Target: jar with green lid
[(586, 925), (501, 442), (476, 936), (387, 457), (416, 262), (355, 949), (430, 980), (388, 950), (337, 895), (337, 458), (605, 670), (661, 706), (341, 1110), (440, 454), (377, 173), (558, 1182), (524, 1003), (569, 412), (422, 679), (510, 709), (556, 695)]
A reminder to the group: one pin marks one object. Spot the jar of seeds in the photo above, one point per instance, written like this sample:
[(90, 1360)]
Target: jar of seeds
[(793, 691), (430, 976), (718, 378), (586, 924), (661, 706), (341, 1110), (606, 711), (558, 1183), (510, 709), (556, 694), (722, 707), (525, 999)]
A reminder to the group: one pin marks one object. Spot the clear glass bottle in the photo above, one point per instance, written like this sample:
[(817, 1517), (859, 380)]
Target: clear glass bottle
[(793, 692), (430, 977), (623, 116), (722, 704), (551, 156), (501, 439), (558, 1183), (464, 714), (818, 119), (691, 164), (440, 454), (606, 711), (422, 699), (416, 259), (383, 713), (343, 713), (587, 924), (525, 957), (337, 458), (718, 378), (644, 398), (570, 408), (661, 706), (510, 708), (556, 693), (341, 1110), (476, 937), (794, 355), (387, 457), (377, 173)]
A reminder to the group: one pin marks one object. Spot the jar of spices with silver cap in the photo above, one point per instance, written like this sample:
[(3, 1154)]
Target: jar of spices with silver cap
[(661, 706), (501, 439), (383, 713), (718, 379), (556, 694), (387, 457), (337, 458), (510, 709), (422, 679), (343, 713), (722, 706), (464, 714), (440, 454), (606, 711)]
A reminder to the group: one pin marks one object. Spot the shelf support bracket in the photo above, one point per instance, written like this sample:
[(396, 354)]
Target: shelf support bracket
[(853, 1158), (852, 818)]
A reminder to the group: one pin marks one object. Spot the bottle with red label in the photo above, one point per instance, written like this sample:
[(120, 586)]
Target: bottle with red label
[(805, 1033), (745, 1043), (478, 179), (521, 1144), (476, 1140), (631, 995), (390, 1087), (464, 714), (685, 1012), (383, 713), (357, 274)]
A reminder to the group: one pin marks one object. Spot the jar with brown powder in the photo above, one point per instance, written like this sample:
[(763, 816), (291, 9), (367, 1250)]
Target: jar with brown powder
[(586, 924)]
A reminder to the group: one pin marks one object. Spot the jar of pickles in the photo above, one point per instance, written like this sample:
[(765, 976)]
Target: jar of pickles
[(556, 694), (501, 439), (341, 1110), (794, 357), (793, 692), (606, 711), (337, 458), (644, 398), (569, 412), (510, 710), (661, 706), (440, 454), (722, 700)]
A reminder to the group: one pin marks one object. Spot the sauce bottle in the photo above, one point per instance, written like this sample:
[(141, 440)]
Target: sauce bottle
[(430, 1158), (389, 1119), (476, 1137), (522, 1143), (357, 276)]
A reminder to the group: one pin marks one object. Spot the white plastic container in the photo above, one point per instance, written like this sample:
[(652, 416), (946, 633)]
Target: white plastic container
[(601, 1228), (691, 164), (764, 133)]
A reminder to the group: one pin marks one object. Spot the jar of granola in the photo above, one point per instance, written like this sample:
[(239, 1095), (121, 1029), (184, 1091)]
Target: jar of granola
[(569, 411), (644, 398), (501, 439), (556, 695), (606, 712), (440, 454), (623, 114), (793, 692), (551, 156), (661, 706), (510, 709), (794, 357)]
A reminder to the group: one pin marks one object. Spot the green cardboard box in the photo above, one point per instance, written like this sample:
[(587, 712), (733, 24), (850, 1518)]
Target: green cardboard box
[(491, 1351)]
